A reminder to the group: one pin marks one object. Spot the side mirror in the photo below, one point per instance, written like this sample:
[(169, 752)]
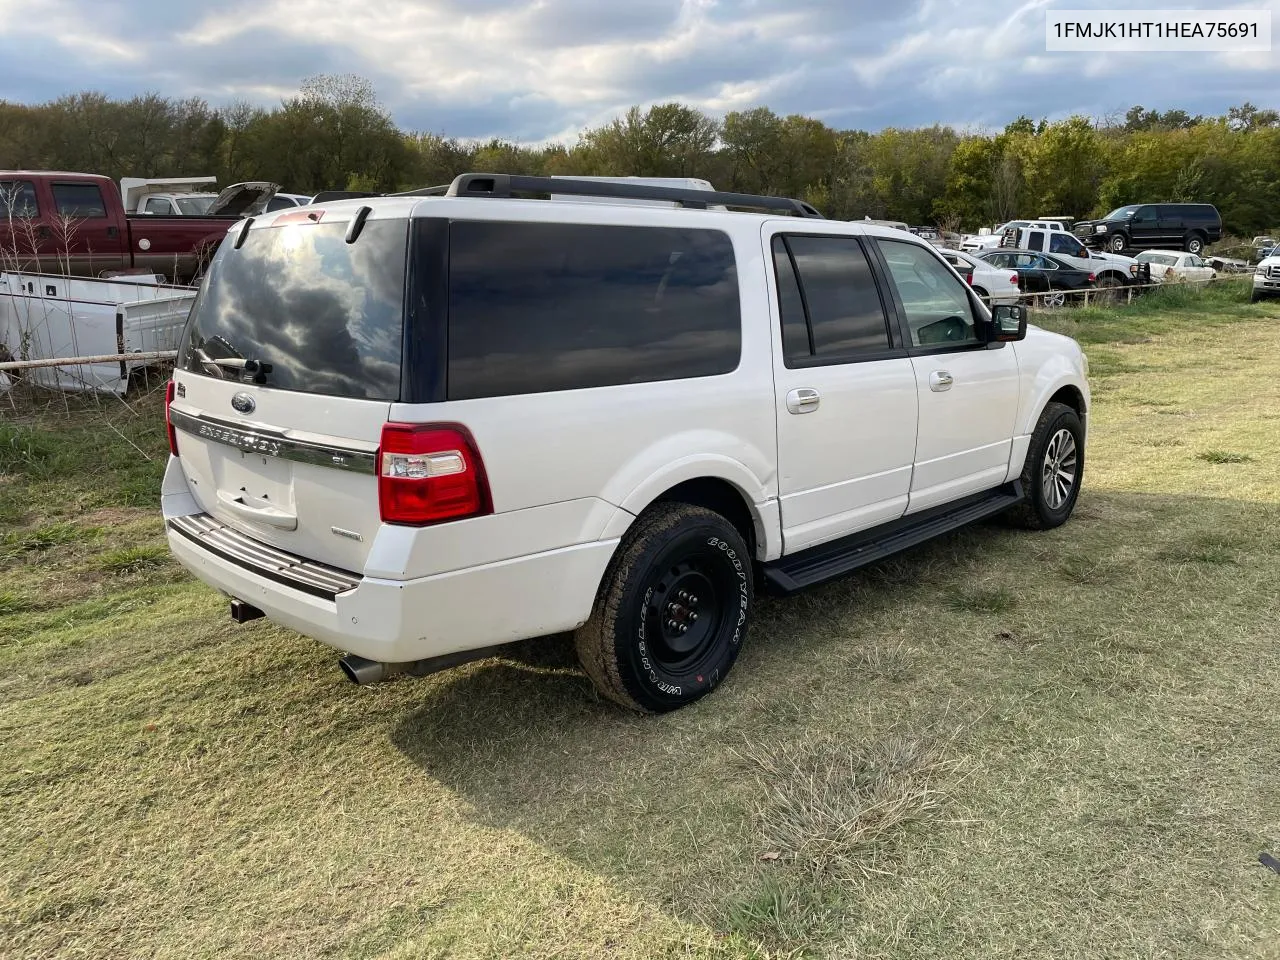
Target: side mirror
[(1008, 323)]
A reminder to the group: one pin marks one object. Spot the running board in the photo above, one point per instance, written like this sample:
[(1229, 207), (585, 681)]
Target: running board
[(827, 560)]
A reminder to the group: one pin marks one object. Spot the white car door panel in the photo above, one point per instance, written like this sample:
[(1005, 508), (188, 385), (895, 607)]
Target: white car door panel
[(846, 394), (968, 391)]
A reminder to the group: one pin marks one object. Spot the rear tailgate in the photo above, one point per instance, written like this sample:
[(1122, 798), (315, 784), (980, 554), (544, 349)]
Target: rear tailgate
[(285, 377)]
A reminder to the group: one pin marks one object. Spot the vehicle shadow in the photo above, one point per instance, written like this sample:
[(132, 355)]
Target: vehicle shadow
[(526, 740)]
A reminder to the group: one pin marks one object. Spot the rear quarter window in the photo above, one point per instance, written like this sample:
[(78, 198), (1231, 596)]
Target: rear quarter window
[(537, 307)]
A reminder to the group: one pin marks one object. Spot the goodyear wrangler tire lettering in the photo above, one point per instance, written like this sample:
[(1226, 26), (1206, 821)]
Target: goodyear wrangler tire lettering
[(673, 610)]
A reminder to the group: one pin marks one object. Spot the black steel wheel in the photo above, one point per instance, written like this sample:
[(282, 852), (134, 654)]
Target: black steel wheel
[(672, 612)]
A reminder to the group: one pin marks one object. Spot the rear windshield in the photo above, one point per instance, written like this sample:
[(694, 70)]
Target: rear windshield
[(315, 313), (1164, 259)]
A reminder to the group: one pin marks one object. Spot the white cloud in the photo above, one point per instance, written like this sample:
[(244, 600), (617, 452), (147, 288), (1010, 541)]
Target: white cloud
[(543, 69)]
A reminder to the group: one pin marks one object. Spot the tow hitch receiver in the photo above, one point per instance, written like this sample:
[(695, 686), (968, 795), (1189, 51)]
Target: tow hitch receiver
[(242, 612)]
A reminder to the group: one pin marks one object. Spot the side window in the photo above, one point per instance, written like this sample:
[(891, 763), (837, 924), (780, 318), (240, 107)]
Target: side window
[(79, 200), (1035, 240), (1001, 260), (1065, 243), (278, 203), (18, 199), (796, 342), (1044, 263), (936, 302), (157, 206), (539, 307), (1145, 215), (846, 318)]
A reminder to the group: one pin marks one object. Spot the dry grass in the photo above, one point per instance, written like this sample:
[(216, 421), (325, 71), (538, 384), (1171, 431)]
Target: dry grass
[(833, 804), (175, 786)]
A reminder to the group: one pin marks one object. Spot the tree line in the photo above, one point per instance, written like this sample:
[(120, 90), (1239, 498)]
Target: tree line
[(336, 135)]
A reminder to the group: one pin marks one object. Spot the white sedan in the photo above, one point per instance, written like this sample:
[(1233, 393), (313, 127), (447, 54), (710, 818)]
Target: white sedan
[(1168, 266), (993, 284)]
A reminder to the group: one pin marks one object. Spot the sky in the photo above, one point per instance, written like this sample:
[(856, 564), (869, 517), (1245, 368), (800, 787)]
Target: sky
[(542, 70)]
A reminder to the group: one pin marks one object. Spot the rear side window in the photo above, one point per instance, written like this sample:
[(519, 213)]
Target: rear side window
[(846, 318), (325, 315), (156, 205), (79, 200), (538, 307), (18, 199)]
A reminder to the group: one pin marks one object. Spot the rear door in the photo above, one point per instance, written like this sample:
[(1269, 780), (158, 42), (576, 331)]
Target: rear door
[(967, 389), (285, 377), (86, 238), (844, 388)]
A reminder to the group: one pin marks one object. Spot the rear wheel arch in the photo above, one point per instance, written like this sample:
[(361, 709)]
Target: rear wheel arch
[(719, 496)]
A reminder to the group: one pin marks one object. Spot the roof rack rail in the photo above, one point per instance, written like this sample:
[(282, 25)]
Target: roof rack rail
[(502, 185), (438, 191)]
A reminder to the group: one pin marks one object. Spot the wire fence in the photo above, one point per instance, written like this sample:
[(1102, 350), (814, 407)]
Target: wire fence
[(1099, 296)]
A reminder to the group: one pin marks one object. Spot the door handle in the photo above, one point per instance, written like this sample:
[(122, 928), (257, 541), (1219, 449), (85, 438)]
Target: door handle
[(268, 515), (940, 381), (803, 400)]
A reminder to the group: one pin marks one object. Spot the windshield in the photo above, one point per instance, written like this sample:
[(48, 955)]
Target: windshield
[(317, 314), (1119, 213), (195, 206)]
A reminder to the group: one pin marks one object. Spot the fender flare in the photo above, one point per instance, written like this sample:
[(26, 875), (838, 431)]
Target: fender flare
[(760, 503)]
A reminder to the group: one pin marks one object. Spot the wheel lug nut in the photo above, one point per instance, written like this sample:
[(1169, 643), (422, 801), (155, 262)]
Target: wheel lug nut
[(683, 628), (693, 618)]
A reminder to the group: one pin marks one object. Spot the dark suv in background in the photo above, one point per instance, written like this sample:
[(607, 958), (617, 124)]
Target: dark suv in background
[(1146, 226)]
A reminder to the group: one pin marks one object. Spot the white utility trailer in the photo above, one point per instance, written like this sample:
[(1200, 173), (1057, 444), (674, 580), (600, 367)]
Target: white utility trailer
[(48, 317)]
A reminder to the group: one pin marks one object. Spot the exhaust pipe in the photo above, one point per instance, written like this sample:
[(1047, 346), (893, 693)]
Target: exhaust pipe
[(363, 672)]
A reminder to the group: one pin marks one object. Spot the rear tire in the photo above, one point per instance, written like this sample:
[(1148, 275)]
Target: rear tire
[(672, 612), (1056, 454), (983, 296)]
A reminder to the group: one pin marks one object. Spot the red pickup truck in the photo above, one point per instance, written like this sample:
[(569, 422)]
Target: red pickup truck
[(75, 223)]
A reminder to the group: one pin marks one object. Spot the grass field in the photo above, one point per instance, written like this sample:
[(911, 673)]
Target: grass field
[(1003, 744)]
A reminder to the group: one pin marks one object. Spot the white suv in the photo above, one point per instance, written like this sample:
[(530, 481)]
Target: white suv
[(421, 426)]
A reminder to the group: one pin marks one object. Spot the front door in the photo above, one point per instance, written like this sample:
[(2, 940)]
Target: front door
[(844, 388), (968, 389), (24, 240), (1144, 228)]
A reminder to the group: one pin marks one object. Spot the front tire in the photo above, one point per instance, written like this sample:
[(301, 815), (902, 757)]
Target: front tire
[(1117, 243), (1054, 469), (672, 612), (1194, 244)]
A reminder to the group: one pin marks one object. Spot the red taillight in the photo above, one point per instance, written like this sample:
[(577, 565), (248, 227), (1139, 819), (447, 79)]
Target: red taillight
[(1092, 277), (429, 473), (968, 278), (1013, 278), (168, 422)]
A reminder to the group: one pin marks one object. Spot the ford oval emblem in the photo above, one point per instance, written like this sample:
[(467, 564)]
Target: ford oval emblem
[(243, 403)]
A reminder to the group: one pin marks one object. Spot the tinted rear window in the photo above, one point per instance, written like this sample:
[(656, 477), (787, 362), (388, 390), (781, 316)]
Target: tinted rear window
[(536, 307), (327, 316)]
